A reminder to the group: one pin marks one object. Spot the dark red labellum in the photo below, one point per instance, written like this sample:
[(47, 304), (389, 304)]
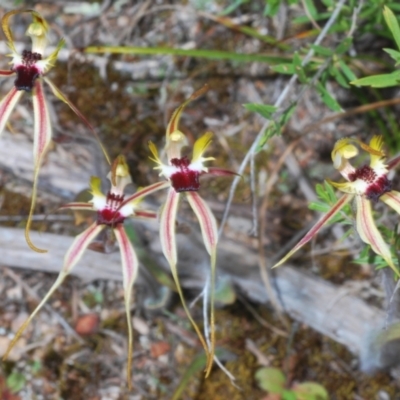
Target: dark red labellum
[(110, 216), (376, 186), (27, 72), (185, 180)]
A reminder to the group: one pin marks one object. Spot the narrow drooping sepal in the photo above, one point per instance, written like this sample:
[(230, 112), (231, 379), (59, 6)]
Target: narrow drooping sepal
[(145, 192), (317, 227), (215, 171), (145, 214), (7, 105), (79, 245), (167, 227), (60, 95), (130, 266), (392, 199), (207, 221), (6, 72), (168, 245), (42, 124), (73, 255), (209, 230), (41, 141), (370, 234)]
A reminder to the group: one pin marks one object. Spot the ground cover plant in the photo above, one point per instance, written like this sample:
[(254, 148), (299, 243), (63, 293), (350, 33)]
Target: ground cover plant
[(288, 94)]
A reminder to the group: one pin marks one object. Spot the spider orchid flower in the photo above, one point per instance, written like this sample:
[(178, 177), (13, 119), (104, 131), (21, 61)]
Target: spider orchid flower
[(109, 215), (29, 69), (183, 178), (365, 185)]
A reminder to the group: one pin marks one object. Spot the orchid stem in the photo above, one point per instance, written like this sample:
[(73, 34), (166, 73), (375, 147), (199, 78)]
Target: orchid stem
[(130, 342), (32, 208), (189, 315), (212, 312)]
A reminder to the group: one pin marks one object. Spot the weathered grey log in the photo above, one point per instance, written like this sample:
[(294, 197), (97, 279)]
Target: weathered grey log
[(323, 306), (16, 253)]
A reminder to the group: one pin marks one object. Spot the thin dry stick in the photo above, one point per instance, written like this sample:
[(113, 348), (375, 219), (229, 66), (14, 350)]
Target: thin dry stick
[(262, 218), (254, 228), (278, 103), (356, 11), (352, 111)]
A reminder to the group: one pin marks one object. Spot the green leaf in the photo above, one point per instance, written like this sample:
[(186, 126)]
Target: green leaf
[(320, 207), (331, 192), (289, 395), (323, 51), (328, 3), (271, 380), (198, 364), (344, 46), (199, 53), (326, 193), (15, 382), (271, 7), (379, 81), (321, 192), (347, 71), (287, 69), (392, 23), (298, 67), (311, 8), (310, 391), (305, 19), (283, 120), (233, 6), (327, 98), (394, 54), (36, 366), (264, 110), (339, 77), (272, 130)]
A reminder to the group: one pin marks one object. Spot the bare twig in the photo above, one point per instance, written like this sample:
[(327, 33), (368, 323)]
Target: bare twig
[(356, 11), (353, 111), (254, 228), (278, 103)]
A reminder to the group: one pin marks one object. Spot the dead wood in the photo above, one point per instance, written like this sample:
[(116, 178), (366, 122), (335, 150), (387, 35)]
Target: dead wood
[(327, 308)]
